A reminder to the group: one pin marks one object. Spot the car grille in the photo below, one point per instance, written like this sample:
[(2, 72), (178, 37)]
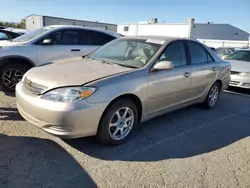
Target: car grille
[(34, 88), (235, 73)]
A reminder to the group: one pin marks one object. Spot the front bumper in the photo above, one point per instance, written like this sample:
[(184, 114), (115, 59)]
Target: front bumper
[(240, 81), (65, 120)]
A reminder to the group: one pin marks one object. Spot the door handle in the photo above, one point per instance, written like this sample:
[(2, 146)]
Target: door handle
[(75, 50), (187, 74)]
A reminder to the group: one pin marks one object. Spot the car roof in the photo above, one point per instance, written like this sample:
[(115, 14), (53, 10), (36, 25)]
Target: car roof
[(83, 27), (243, 49), (159, 37), (6, 31)]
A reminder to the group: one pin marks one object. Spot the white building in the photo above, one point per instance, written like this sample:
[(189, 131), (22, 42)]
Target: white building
[(37, 21), (189, 29)]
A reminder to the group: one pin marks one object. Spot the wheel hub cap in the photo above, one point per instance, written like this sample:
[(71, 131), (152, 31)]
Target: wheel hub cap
[(213, 95), (11, 78), (121, 123)]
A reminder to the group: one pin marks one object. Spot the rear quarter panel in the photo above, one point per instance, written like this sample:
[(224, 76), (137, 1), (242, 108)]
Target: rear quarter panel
[(224, 73)]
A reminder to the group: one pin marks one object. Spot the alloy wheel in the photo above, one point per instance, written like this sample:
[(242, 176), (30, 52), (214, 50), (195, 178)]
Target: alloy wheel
[(121, 123), (11, 77), (213, 95)]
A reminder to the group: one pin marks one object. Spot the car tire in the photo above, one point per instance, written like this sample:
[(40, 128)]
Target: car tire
[(114, 130), (10, 75), (212, 96)]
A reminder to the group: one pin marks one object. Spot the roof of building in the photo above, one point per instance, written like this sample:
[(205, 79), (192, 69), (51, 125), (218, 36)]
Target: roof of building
[(184, 23), (71, 19)]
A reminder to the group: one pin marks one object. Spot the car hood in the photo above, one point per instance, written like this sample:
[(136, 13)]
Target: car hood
[(72, 72), (239, 66)]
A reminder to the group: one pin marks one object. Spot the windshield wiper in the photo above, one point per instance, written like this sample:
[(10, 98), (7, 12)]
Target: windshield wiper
[(106, 62), (85, 57), (103, 61)]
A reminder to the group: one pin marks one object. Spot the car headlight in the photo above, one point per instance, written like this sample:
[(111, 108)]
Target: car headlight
[(245, 74), (69, 94)]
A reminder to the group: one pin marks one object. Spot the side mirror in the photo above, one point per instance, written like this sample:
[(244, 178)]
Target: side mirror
[(47, 42), (164, 65)]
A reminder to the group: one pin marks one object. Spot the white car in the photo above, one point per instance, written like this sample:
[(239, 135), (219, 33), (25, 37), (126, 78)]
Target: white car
[(240, 71), (45, 45)]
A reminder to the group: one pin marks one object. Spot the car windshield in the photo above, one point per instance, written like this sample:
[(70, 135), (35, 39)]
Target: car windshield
[(241, 55), (31, 35), (134, 53), (225, 51)]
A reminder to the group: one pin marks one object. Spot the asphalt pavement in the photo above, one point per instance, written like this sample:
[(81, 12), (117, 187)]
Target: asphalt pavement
[(192, 147)]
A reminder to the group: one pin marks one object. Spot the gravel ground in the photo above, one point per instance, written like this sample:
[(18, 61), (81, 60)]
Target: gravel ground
[(192, 148)]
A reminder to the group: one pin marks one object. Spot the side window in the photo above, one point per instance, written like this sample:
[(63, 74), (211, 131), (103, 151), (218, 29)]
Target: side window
[(64, 37), (125, 28), (70, 37), (3, 36), (56, 37), (176, 53), (209, 58), (197, 53), (96, 38), (14, 35)]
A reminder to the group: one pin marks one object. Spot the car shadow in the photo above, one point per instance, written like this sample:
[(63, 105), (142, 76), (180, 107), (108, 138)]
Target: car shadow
[(175, 135), (239, 90), (10, 94), (10, 114), (35, 162)]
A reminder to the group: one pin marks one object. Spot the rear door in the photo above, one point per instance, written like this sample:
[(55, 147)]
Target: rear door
[(203, 69), (91, 40)]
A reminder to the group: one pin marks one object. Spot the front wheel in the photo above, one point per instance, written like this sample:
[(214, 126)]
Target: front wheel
[(212, 96), (10, 75), (118, 122)]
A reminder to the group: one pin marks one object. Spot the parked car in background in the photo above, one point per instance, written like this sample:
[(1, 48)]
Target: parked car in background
[(45, 45), (127, 81), (212, 48), (225, 51), (8, 35), (240, 71), (16, 30)]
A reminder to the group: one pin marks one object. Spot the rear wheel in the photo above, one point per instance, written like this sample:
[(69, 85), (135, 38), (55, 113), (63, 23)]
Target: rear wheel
[(10, 75), (118, 122), (212, 96)]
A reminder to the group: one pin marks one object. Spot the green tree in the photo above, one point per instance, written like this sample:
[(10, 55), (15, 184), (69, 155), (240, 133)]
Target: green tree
[(22, 24)]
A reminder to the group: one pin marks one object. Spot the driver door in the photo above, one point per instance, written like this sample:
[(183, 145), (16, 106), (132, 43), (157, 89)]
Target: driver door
[(64, 44), (169, 88)]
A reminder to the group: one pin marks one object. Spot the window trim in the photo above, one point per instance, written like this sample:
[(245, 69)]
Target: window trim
[(207, 53)]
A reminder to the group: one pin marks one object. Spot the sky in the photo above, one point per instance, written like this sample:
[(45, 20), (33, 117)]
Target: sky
[(236, 13)]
